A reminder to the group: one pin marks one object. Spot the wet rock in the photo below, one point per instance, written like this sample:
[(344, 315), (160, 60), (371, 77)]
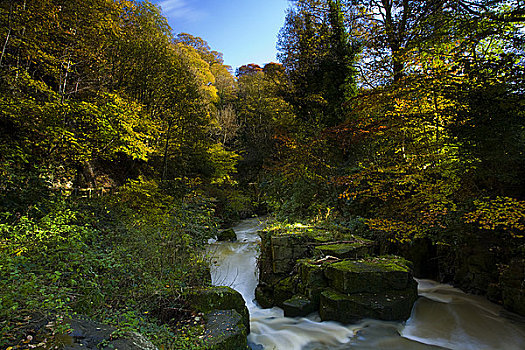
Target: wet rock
[(285, 289), (225, 330), (311, 273), (374, 275), (227, 235), (264, 295), (298, 306), (391, 306), (207, 299), (286, 249), (313, 280), (334, 280)]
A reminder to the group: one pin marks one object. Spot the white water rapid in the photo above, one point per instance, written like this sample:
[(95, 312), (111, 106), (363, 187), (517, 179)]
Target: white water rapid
[(442, 318)]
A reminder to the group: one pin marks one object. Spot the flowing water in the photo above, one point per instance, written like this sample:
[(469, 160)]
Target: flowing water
[(442, 318)]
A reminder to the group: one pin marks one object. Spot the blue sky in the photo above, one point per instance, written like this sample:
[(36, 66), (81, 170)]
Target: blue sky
[(245, 31)]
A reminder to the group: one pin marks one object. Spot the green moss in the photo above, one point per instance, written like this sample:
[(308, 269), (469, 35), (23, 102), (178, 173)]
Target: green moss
[(306, 231), (375, 275), (354, 250), (207, 299), (334, 295), (376, 264)]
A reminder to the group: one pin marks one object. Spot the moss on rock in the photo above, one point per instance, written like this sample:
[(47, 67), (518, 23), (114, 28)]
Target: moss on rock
[(225, 330), (373, 275), (390, 306), (227, 235), (207, 299), (285, 289), (298, 306), (354, 250)]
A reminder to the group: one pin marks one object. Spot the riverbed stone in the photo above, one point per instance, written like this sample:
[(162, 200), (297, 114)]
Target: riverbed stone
[(227, 235), (225, 330), (300, 265), (264, 295), (373, 275), (207, 299), (312, 280), (347, 308), (311, 273), (298, 306)]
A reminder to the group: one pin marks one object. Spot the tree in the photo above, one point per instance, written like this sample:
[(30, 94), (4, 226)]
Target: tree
[(435, 141), (318, 55)]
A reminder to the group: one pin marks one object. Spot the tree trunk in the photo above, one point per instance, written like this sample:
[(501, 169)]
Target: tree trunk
[(165, 160)]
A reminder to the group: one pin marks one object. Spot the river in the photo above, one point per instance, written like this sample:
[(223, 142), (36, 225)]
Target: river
[(442, 318)]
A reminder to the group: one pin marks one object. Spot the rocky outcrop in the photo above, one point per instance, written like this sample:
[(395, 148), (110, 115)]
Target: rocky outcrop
[(226, 315), (306, 271), (380, 288)]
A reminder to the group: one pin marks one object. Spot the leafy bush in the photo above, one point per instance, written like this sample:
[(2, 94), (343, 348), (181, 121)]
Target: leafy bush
[(102, 258)]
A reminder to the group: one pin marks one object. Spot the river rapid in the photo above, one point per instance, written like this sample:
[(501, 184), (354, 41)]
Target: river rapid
[(442, 318)]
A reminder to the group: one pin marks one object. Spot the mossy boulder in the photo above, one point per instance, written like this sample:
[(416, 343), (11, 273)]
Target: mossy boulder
[(225, 330), (285, 289), (311, 273), (390, 306), (264, 295), (352, 250), (312, 278), (227, 235), (298, 306), (295, 273), (372, 275), (207, 299)]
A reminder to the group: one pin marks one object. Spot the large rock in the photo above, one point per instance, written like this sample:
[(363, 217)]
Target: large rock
[(350, 250), (390, 306), (313, 280), (227, 235), (373, 275), (207, 299), (264, 294), (227, 317), (286, 249), (225, 330), (304, 269), (298, 306)]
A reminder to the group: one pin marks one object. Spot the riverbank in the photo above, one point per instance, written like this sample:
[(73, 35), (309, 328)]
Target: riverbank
[(442, 318), (119, 261)]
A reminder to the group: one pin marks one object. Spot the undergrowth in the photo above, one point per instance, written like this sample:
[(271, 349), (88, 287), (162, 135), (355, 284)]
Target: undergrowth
[(117, 260)]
